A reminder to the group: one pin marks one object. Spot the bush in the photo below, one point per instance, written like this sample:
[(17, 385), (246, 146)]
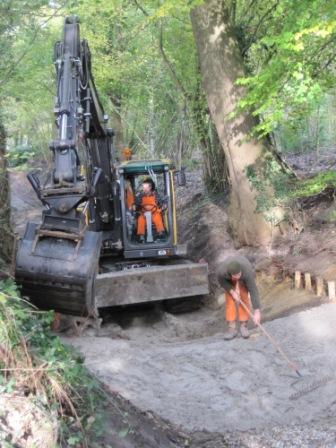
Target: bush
[(20, 155), (315, 184), (34, 363)]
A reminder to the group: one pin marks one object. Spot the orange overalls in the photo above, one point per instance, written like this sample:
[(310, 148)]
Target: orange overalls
[(148, 203), (231, 307)]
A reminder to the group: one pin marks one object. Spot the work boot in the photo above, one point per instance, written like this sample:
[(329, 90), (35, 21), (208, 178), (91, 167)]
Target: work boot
[(141, 239), (231, 331), (244, 330)]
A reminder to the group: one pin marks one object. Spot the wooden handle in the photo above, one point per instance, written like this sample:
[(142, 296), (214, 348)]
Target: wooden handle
[(275, 343)]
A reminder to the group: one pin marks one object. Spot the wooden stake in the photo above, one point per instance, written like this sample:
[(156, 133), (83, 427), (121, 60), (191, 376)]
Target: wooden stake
[(308, 283), (298, 280), (331, 290), (319, 287), (56, 323)]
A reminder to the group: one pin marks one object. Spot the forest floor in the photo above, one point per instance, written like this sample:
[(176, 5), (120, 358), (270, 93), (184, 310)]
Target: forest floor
[(172, 379)]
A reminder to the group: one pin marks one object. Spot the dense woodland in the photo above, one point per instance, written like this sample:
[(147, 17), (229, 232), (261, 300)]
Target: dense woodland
[(228, 87)]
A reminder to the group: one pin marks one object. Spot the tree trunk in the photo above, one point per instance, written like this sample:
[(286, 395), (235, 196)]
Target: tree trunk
[(221, 65), (151, 127), (215, 171), (6, 245)]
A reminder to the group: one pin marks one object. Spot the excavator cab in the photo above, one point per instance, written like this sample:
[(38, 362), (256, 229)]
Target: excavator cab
[(149, 217)]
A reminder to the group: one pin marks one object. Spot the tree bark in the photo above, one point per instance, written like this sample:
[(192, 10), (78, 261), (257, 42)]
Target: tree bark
[(221, 65), (215, 170), (6, 245)]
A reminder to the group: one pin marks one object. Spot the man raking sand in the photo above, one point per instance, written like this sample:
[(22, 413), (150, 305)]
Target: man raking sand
[(237, 276)]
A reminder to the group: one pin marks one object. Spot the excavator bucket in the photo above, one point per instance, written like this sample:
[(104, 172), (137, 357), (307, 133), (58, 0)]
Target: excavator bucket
[(59, 273)]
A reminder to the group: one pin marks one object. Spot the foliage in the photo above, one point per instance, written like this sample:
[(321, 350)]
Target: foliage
[(265, 176), (313, 132), (19, 155), (35, 363), (130, 73), (289, 49), (315, 184), (143, 59), (144, 63)]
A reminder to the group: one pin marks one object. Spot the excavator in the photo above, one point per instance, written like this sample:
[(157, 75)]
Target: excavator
[(85, 255)]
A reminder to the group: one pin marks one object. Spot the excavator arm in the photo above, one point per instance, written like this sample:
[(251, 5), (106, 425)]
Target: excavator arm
[(57, 260), (83, 143)]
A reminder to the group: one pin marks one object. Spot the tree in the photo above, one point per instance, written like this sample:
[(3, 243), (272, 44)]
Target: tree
[(289, 56), (6, 245), (16, 18), (221, 66)]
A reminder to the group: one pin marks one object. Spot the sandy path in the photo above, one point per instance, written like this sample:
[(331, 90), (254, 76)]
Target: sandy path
[(215, 385)]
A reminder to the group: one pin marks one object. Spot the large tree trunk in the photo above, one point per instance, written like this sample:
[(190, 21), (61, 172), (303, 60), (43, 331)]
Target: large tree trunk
[(6, 244), (221, 65)]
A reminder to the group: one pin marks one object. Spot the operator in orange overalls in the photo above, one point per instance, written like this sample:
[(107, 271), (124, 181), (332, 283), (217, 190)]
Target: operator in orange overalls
[(149, 201)]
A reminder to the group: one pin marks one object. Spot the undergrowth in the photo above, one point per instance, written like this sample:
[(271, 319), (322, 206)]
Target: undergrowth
[(35, 364), (316, 184), (269, 177)]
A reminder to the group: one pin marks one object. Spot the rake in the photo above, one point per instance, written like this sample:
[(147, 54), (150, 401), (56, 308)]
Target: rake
[(274, 342)]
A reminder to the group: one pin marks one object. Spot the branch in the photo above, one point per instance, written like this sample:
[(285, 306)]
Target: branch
[(123, 118), (174, 76), (248, 18), (269, 11), (140, 7), (26, 51), (329, 61)]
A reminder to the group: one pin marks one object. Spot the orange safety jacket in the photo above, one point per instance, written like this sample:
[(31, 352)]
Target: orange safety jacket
[(149, 202)]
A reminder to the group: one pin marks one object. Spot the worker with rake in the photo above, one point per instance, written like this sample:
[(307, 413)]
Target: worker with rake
[(237, 277)]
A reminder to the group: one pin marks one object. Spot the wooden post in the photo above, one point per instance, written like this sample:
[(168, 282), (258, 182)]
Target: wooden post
[(308, 283), (298, 280), (319, 287), (56, 323), (331, 290)]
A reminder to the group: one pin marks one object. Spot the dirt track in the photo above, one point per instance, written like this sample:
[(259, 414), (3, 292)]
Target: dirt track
[(209, 384), (180, 369)]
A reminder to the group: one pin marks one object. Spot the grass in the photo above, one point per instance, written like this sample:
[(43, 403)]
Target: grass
[(34, 363)]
